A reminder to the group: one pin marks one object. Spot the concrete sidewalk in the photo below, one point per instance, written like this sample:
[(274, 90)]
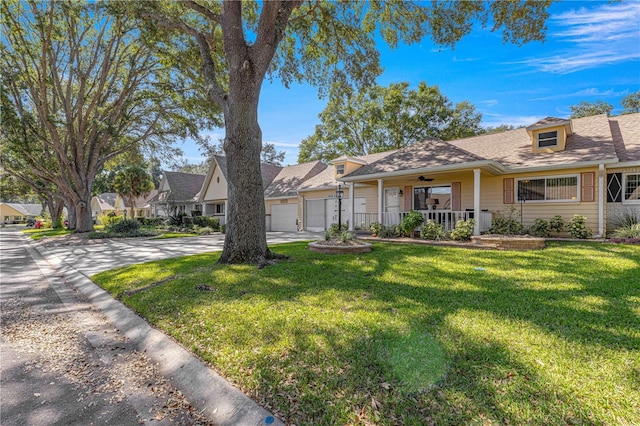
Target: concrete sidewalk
[(211, 395)]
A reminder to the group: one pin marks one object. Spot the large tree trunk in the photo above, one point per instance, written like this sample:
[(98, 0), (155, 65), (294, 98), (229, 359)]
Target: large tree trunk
[(55, 205), (245, 240), (81, 204)]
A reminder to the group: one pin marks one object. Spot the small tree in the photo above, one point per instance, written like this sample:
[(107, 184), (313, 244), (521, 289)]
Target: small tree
[(631, 103), (587, 109), (133, 182)]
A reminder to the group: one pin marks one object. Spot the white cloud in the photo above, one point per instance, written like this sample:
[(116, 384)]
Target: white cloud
[(589, 92), (489, 102), (603, 35), (494, 120)]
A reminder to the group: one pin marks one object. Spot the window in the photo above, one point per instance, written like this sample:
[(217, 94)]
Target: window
[(632, 187), (564, 188), (432, 197), (218, 208), (548, 139), (340, 169)]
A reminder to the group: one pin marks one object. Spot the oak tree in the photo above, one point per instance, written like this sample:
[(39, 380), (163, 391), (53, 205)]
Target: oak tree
[(240, 43), (84, 89)]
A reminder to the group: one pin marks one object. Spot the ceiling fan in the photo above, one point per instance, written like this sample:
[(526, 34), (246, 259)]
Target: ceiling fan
[(424, 179)]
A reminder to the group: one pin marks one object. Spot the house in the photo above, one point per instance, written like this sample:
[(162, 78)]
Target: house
[(102, 205), (178, 193), (19, 212), (318, 199), (142, 206), (588, 166)]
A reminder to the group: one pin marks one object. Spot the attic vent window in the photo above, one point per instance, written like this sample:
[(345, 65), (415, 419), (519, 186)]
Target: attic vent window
[(339, 169), (548, 139)]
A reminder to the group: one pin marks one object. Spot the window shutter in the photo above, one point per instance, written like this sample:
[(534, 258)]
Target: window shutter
[(588, 186), (456, 198), (408, 198), (508, 191)]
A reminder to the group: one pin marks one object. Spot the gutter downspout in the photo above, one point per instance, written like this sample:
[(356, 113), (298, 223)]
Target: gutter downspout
[(380, 201), (476, 201), (600, 201)]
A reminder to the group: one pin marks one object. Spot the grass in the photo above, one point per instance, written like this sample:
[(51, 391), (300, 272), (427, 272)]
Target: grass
[(412, 334), (37, 234), (166, 235)]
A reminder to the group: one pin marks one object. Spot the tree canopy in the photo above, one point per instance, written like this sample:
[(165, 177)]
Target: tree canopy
[(631, 103), (380, 118), (133, 182), (79, 89), (586, 109)]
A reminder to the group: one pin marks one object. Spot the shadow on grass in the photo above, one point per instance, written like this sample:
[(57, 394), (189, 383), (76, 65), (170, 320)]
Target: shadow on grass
[(305, 336)]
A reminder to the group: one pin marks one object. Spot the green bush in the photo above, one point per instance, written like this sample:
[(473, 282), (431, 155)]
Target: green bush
[(578, 227), (204, 230), (507, 222), (391, 231), (433, 231), (207, 221), (540, 228), (463, 230), (334, 231), (628, 231), (125, 226), (176, 220), (375, 227), (410, 222), (111, 218), (556, 224), (223, 228), (346, 236)]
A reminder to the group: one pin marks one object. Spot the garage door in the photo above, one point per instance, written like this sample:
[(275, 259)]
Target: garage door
[(314, 215), (283, 217)]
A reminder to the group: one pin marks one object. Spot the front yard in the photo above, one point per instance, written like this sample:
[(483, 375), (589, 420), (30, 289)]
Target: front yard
[(411, 334)]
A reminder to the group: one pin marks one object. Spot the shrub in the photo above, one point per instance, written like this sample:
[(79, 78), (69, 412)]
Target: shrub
[(207, 221), (154, 221), (463, 230), (556, 224), (125, 226), (540, 228), (433, 231), (333, 228), (375, 227), (327, 235), (628, 231), (391, 231), (346, 236), (578, 227), (223, 228), (507, 223), (111, 218), (410, 222), (176, 220), (205, 230)]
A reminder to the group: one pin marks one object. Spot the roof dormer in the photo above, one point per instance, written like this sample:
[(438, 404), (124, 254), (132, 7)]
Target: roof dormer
[(549, 134), (345, 165)]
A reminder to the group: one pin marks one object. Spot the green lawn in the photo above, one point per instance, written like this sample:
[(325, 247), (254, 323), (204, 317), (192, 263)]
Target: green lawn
[(37, 234), (412, 334)]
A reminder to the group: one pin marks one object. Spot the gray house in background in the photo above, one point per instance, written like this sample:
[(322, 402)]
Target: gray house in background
[(178, 193)]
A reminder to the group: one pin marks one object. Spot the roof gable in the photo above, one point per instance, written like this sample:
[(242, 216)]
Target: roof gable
[(290, 179)]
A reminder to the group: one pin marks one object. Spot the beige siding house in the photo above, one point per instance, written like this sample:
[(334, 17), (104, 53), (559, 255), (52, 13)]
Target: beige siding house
[(588, 166), (178, 193)]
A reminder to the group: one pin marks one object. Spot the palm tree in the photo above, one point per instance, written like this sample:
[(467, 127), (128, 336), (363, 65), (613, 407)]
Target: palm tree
[(133, 182)]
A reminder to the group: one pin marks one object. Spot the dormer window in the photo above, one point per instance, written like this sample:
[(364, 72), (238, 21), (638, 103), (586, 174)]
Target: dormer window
[(339, 169), (548, 139)]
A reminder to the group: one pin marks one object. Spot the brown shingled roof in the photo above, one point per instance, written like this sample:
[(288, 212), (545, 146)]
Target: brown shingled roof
[(625, 130), (290, 179)]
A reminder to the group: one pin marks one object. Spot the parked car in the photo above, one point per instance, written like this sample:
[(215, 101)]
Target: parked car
[(31, 223)]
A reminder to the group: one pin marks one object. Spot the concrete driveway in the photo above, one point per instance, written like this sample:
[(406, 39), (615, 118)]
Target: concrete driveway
[(102, 255)]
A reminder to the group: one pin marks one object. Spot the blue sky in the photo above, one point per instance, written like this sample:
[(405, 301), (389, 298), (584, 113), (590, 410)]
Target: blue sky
[(592, 52)]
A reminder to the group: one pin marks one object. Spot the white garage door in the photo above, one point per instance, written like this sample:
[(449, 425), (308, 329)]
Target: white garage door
[(314, 214), (283, 217)]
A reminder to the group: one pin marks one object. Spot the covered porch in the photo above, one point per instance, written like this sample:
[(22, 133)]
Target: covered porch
[(444, 195)]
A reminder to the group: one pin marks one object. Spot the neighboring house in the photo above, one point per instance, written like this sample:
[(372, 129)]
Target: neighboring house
[(588, 166), (214, 189), (282, 205), (318, 199), (102, 205), (142, 209), (178, 193), (20, 212)]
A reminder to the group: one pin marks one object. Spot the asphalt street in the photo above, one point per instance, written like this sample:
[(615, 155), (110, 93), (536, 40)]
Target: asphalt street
[(71, 355)]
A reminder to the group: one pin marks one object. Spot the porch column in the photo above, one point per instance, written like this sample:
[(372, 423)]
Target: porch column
[(380, 194), (225, 213), (352, 204), (601, 201), (476, 201)]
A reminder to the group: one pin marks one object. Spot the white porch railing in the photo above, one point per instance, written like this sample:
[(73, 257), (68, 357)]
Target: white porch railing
[(447, 218)]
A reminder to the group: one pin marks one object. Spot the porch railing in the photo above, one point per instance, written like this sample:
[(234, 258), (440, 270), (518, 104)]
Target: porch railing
[(447, 218)]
